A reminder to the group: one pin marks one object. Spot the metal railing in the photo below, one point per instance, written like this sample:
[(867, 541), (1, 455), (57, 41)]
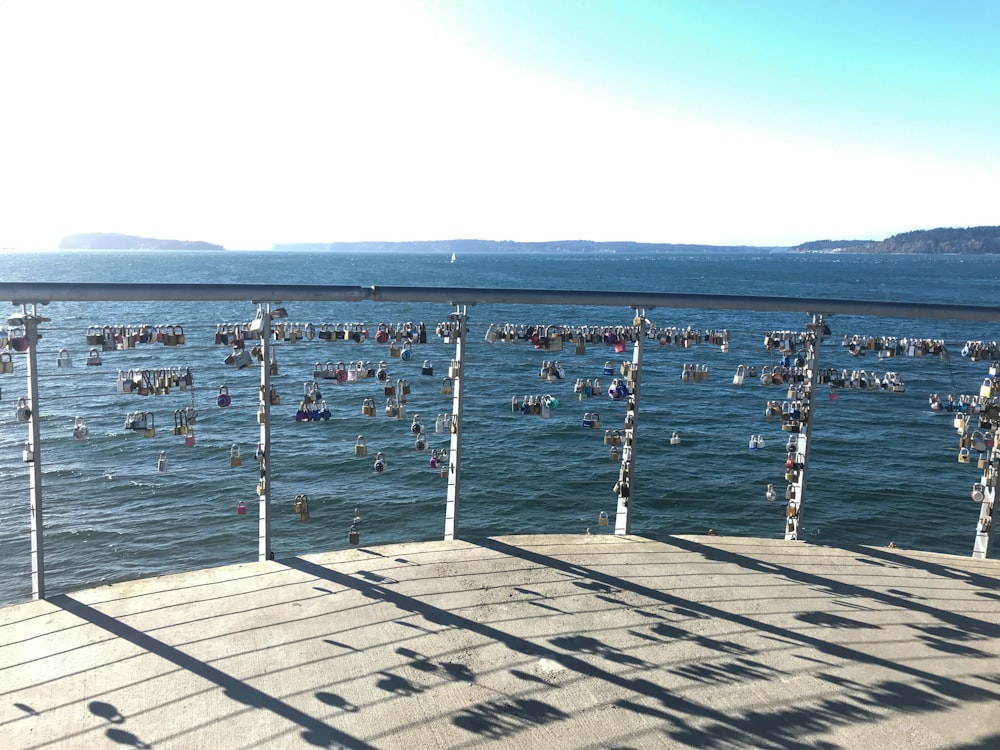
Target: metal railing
[(29, 296)]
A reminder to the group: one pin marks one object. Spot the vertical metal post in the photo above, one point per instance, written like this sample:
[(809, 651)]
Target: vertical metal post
[(625, 487), (264, 551), (457, 374), (805, 402), (30, 322), (983, 544)]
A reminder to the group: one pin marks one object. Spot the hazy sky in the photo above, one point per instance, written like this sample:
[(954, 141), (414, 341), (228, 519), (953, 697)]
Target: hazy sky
[(249, 122)]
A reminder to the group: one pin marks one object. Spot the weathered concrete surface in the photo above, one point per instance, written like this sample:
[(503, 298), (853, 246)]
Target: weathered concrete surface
[(532, 641)]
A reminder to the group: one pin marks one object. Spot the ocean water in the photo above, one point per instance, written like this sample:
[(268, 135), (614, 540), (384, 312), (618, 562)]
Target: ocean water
[(883, 467)]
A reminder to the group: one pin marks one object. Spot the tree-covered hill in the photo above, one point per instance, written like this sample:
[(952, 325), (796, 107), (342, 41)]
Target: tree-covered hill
[(960, 241)]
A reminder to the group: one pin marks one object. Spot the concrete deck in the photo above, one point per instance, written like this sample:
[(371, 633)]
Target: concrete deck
[(533, 641)]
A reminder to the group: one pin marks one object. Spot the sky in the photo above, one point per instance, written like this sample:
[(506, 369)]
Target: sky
[(726, 122)]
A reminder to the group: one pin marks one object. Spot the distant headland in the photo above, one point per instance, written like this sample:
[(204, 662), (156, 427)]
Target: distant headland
[(967, 241), (108, 241)]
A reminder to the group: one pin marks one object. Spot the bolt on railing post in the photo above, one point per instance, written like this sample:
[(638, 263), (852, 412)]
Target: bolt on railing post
[(454, 463), (799, 441), (33, 452), (625, 487)]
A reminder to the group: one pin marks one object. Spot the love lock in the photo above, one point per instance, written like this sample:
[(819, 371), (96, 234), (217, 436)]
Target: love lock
[(379, 465), (235, 459), (23, 411), (301, 506), (353, 535)]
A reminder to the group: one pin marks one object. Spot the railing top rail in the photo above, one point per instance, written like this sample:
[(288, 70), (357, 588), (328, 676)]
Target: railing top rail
[(44, 292)]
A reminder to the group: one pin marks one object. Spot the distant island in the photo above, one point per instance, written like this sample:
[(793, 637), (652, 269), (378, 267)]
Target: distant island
[(967, 241), (465, 247), (106, 241)]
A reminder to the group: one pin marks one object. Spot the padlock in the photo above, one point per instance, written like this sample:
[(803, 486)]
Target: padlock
[(241, 508), (223, 400), (368, 407), (189, 438), (614, 454), (64, 360), (274, 397), (27, 453), (453, 421), (963, 455), (80, 429), (447, 386), (149, 430), (180, 422), (427, 368), (353, 537), (421, 442), (274, 363), (602, 519), (986, 389), (379, 465), (740, 377), (301, 506), (416, 427), (454, 369), (23, 411), (235, 459)]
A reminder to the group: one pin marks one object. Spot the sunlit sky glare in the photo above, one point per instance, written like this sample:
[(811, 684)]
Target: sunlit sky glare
[(252, 122)]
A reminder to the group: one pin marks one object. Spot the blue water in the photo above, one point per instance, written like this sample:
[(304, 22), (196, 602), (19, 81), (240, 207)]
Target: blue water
[(883, 466)]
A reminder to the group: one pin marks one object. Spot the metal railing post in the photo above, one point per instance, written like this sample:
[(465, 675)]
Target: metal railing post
[(798, 442), (33, 450), (456, 372), (264, 550), (982, 547), (625, 487)]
